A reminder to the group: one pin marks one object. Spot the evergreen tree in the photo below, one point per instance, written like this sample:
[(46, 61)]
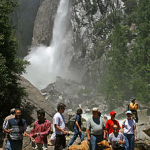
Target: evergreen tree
[(140, 56), (11, 66), (117, 72)]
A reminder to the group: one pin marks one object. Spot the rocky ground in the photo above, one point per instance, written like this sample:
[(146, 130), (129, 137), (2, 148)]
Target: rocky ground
[(75, 95)]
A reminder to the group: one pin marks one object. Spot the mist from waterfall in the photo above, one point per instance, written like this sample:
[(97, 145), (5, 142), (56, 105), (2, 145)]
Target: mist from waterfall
[(46, 63)]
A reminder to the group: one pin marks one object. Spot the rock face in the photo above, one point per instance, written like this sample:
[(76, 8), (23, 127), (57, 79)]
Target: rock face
[(23, 19), (34, 20), (33, 102), (43, 24)]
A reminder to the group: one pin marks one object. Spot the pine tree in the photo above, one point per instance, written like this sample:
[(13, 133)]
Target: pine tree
[(11, 66), (140, 56), (117, 73)]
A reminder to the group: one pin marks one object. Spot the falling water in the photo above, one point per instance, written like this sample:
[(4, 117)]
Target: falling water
[(46, 63)]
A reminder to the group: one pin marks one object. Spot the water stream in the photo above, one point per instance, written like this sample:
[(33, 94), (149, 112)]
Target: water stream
[(46, 63)]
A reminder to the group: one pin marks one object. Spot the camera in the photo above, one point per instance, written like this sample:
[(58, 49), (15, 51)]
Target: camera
[(117, 144)]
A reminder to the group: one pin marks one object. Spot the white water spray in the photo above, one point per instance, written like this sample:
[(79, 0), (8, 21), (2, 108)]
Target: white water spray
[(46, 63)]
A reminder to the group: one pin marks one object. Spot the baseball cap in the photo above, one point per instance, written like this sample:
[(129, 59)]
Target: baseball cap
[(112, 113), (132, 98), (129, 112)]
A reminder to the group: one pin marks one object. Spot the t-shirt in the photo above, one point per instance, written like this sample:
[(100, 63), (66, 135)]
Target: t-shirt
[(109, 125), (60, 121), (128, 126), (95, 125), (78, 119), (114, 138)]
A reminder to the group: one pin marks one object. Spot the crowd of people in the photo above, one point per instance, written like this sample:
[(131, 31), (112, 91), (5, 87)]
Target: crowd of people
[(97, 129)]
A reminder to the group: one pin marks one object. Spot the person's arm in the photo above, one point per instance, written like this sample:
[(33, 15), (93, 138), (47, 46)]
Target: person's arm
[(4, 124), (104, 128), (135, 136), (6, 129), (47, 129), (33, 134), (87, 130), (88, 135), (78, 126), (122, 139), (105, 134), (59, 129)]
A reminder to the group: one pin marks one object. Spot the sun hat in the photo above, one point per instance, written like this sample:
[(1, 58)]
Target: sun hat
[(95, 109)]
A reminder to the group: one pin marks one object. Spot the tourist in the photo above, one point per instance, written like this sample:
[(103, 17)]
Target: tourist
[(111, 122), (94, 129), (15, 128), (40, 131), (133, 108), (59, 125), (129, 131), (116, 139), (77, 128), (11, 116)]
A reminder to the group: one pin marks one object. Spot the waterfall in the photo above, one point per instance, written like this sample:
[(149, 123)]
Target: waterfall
[(46, 63)]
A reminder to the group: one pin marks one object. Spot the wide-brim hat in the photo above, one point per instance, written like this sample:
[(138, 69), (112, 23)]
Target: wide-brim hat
[(95, 109)]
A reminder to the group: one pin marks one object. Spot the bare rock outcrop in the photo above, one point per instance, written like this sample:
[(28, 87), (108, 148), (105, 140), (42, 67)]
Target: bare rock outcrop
[(33, 102)]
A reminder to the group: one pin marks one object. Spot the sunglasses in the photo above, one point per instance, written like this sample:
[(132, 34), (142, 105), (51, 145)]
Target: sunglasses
[(115, 128)]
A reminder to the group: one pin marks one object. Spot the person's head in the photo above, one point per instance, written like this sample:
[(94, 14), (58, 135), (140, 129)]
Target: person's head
[(95, 112), (129, 114), (112, 114), (79, 111), (133, 99), (40, 114), (12, 111), (61, 107), (115, 128), (17, 113)]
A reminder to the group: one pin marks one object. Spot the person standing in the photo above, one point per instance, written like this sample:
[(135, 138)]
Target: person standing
[(77, 128), (94, 129), (59, 127), (116, 139), (15, 128), (129, 131), (40, 131), (111, 122), (133, 107), (11, 116)]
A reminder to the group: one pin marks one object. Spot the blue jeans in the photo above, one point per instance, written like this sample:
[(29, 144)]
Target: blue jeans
[(129, 145), (14, 145), (76, 133), (94, 140)]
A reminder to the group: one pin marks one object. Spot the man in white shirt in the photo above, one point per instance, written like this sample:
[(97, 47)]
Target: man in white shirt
[(59, 127)]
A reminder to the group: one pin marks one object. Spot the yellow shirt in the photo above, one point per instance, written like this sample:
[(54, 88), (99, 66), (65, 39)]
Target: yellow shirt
[(133, 106)]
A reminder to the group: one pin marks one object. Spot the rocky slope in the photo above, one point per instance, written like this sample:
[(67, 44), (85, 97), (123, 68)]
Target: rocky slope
[(33, 102)]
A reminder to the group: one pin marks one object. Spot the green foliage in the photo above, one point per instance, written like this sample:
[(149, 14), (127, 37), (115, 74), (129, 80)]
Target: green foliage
[(128, 59), (11, 66)]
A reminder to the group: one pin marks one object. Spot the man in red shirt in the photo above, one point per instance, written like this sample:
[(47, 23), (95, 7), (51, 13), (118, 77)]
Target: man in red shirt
[(40, 131), (111, 122)]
